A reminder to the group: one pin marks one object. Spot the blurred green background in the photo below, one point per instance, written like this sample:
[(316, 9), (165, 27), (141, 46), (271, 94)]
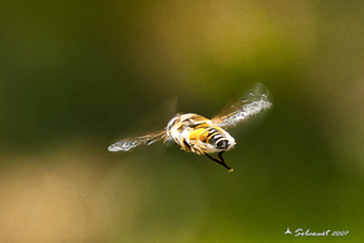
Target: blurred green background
[(76, 75)]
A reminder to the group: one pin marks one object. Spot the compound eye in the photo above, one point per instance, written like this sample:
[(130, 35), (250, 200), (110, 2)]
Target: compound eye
[(222, 144)]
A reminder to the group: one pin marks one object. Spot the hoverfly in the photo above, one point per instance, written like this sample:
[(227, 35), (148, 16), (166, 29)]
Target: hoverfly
[(197, 134)]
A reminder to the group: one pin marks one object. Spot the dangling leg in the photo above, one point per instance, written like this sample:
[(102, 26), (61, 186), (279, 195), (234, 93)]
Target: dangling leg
[(221, 161)]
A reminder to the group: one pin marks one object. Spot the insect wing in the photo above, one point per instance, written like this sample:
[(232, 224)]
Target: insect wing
[(130, 143), (255, 102)]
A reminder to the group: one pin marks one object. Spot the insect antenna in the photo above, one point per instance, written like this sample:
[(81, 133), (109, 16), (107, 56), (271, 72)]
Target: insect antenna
[(220, 161)]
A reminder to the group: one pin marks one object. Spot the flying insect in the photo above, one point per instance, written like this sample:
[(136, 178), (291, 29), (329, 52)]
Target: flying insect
[(197, 134)]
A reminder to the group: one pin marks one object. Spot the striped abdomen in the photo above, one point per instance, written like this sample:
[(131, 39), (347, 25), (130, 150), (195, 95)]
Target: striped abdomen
[(197, 134)]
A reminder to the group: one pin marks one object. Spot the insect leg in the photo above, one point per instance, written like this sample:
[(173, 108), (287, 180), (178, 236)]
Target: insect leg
[(220, 161)]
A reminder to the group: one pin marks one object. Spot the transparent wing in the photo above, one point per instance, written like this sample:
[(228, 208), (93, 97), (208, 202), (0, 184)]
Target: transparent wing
[(256, 101), (129, 143)]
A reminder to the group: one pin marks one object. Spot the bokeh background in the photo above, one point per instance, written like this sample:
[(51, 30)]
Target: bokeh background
[(75, 76)]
